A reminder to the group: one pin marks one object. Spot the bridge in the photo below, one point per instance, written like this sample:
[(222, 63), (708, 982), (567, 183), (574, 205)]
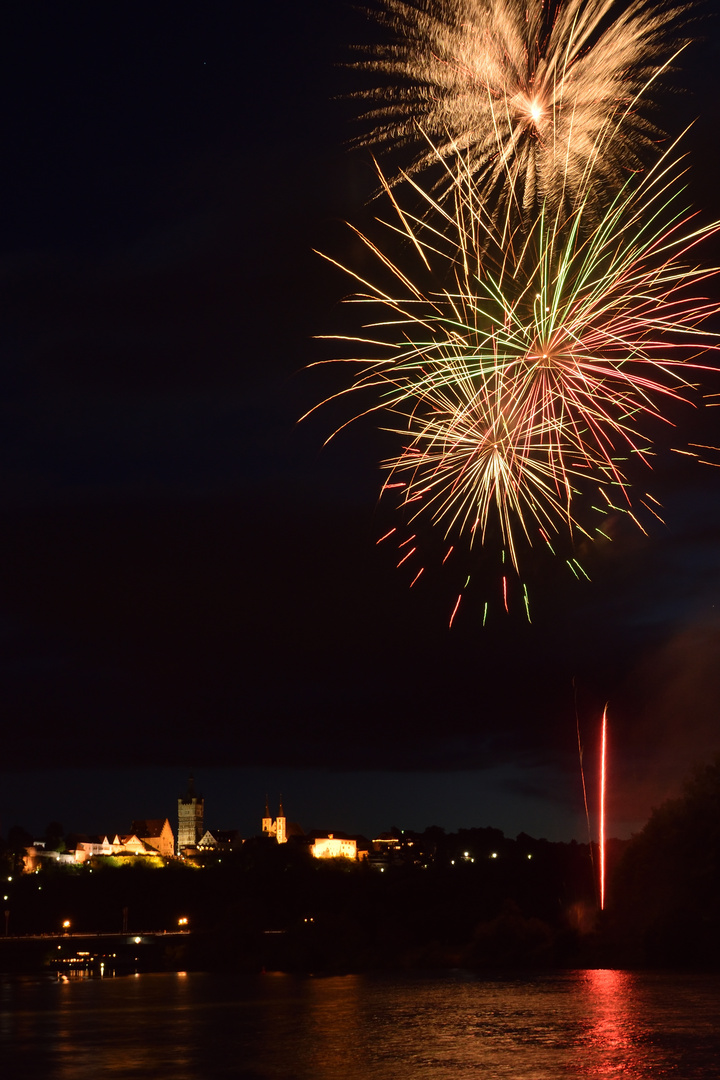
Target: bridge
[(94, 953)]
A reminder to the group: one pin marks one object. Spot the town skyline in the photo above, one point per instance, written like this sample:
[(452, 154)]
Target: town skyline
[(356, 803)]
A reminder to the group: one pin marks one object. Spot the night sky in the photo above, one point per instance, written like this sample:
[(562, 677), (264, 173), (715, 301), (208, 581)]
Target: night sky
[(189, 580)]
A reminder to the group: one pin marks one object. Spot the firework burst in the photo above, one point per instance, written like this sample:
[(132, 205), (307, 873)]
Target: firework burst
[(540, 98), (526, 373)]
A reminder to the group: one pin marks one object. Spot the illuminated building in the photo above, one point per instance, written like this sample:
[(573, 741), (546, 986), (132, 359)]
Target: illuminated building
[(191, 810), (119, 845), (157, 833), (276, 827), (36, 855), (220, 840), (332, 847), (387, 842)]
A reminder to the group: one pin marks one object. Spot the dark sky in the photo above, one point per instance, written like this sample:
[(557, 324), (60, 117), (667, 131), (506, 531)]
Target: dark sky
[(188, 579)]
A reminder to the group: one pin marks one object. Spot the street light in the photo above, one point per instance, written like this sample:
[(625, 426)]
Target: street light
[(183, 922), (66, 925)]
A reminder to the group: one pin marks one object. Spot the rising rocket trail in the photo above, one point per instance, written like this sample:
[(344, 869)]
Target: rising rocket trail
[(603, 749)]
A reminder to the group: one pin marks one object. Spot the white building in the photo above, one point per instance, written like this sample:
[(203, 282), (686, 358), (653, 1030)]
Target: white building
[(332, 847)]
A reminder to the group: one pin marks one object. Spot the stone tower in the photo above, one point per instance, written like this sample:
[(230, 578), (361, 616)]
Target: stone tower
[(191, 809)]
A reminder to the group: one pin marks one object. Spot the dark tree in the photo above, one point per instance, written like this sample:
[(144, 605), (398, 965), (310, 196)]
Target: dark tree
[(54, 837), (666, 893)]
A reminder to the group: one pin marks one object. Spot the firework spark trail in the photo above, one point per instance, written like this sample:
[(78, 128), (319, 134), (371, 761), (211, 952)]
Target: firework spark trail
[(582, 769), (603, 778), (541, 99), (523, 374)]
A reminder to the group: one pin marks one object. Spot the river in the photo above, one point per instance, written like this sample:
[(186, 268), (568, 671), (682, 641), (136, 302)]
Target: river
[(600, 1024)]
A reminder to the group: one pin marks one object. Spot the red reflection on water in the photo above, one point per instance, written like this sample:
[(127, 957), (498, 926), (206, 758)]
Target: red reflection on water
[(612, 1025)]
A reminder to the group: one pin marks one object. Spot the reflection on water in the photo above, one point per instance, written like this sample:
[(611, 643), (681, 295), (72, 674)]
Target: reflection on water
[(616, 1039), (334, 1027), (582, 1024)]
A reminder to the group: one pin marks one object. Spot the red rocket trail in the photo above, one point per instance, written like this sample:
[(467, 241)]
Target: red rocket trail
[(602, 809)]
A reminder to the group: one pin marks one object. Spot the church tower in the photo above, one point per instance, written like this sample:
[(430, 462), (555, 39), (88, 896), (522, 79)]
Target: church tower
[(276, 828), (191, 810), (281, 825), (267, 821)]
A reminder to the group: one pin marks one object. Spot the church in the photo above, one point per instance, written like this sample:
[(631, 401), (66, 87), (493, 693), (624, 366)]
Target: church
[(321, 846), (276, 827)]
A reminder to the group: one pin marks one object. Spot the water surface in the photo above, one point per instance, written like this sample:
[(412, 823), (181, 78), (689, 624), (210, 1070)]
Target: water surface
[(582, 1024)]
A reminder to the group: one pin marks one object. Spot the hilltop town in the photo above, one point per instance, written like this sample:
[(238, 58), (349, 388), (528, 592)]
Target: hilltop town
[(190, 840), (159, 897)]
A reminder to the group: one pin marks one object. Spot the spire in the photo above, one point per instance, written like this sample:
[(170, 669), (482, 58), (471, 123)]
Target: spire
[(281, 825), (267, 806)]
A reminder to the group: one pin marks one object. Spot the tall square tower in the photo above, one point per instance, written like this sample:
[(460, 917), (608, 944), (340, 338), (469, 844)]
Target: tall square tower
[(191, 810)]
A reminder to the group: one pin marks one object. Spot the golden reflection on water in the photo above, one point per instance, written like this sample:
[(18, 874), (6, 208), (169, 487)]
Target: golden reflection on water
[(584, 1025), (335, 1031), (120, 1029)]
